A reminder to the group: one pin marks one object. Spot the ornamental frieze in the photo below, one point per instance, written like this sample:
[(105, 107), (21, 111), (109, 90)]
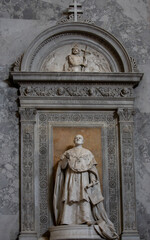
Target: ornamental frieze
[(76, 91)]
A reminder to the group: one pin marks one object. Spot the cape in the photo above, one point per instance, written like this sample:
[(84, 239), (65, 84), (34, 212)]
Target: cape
[(79, 161)]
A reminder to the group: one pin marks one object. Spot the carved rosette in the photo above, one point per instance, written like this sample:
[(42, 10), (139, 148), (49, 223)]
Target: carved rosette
[(27, 170), (127, 169)]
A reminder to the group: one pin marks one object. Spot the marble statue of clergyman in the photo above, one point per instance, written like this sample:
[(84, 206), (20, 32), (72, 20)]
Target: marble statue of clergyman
[(77, 193), (75, 62)]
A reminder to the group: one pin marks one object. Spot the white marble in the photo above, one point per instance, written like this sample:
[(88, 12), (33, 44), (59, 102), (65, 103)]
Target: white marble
[(77, 193), (75, 58), (73, 232)]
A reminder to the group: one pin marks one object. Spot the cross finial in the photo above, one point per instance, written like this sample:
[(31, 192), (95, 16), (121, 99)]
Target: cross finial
[(76, 9)]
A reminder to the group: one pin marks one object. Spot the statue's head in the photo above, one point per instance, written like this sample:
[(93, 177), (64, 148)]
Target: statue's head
[(78, 140), (75, 50)]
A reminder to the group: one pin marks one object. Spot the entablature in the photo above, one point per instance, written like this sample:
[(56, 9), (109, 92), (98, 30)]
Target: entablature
[(76, 90)]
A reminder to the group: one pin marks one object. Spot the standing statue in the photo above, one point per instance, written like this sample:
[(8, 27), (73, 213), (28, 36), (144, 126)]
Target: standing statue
[(77, 193), (75, 62)]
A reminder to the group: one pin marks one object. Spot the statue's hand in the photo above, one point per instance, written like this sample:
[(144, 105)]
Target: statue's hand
[(93, 183)]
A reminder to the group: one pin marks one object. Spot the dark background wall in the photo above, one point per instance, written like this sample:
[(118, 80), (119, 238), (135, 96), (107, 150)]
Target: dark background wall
[(20, 22)]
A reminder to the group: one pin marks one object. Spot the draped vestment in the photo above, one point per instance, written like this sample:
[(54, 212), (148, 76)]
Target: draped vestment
[(77, 193)]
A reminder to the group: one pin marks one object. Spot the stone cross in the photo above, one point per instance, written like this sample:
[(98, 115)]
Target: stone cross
[(85, 51), (75, 8)]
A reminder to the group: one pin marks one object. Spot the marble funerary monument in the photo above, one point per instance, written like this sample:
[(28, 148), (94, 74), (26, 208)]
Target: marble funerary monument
[(76, 78)]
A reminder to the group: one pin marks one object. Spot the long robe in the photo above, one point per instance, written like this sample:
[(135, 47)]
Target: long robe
[(77, 193)]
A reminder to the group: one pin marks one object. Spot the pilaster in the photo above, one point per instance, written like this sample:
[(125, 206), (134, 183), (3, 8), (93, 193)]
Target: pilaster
[(129, 229), (27, 120)]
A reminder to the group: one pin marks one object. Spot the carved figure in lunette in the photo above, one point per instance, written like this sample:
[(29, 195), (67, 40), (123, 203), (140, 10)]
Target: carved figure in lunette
[(77, 193), (85, 61), (75, 62)]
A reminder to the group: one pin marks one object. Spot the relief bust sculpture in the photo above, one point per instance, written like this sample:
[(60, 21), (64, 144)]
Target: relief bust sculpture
[(75, 62), (77, 193)]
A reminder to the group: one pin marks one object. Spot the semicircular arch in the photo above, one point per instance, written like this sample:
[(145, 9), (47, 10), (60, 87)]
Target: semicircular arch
[(60, 36)]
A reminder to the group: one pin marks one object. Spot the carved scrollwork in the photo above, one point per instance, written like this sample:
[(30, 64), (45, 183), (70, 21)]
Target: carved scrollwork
[(43, 172), (76, 117), (129, 198), (70, 18), (77, 91), (134, 65), (28, 221), (17, 64), (127, 158), (112, 174)]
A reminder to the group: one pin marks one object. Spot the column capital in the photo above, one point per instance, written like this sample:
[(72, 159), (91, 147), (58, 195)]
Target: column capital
[(27, 114), (126, 114)]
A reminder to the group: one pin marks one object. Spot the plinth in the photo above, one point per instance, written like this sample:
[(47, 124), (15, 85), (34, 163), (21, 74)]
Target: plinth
[(69, 232)]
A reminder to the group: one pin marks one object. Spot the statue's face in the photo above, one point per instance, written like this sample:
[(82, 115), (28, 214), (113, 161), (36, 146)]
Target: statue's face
[(75, 50), (78, 140)]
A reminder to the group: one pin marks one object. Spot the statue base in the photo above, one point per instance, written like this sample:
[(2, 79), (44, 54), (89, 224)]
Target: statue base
[(69, 232)]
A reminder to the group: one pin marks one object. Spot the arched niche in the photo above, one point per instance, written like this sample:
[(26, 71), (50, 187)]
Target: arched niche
[(64, 36)]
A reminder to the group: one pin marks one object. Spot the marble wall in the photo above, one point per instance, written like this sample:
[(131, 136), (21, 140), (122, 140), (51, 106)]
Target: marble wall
[(20, 22)]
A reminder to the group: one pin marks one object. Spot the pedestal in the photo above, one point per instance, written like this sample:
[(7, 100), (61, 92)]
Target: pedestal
[(73, 232), (28, 236), (133, 235)]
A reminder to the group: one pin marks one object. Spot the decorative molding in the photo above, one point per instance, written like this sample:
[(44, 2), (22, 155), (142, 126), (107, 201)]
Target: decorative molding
[(43, 174), (81, 18), (134, 65), (113, 176), (82, 117), (132, 79), (17, 65), (76, 90), (128, 172)]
